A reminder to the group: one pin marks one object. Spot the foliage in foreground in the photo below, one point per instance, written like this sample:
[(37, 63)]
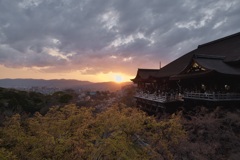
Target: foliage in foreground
[(72, 133), (212, 134)]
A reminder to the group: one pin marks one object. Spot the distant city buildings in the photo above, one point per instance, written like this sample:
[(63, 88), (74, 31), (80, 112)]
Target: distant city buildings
[(44, 90)]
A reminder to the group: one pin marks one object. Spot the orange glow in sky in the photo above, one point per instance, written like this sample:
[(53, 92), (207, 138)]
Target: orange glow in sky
[(37, 74)]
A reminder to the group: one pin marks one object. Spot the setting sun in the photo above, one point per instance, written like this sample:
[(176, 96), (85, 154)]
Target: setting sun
[(118, 78)]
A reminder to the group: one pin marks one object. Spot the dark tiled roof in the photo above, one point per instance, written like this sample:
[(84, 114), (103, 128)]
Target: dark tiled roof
[(234, 59), (175, 66), (227, 48), (192, 75), (146, 73), (218, 65)]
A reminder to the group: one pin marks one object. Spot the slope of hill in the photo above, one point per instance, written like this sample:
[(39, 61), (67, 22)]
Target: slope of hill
[(61, 83), (111, 86), (27, 83)]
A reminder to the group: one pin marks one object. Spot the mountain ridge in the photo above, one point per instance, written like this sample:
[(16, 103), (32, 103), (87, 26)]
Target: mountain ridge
[(60, 83)]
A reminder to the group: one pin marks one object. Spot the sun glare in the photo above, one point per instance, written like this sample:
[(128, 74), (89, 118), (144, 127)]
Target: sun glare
[(118, 78)]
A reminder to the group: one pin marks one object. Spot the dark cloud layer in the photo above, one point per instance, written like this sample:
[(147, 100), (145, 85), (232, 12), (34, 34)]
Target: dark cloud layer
[(94, 36)]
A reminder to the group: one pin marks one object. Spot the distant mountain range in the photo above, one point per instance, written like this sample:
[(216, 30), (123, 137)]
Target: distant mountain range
[(61, 83)]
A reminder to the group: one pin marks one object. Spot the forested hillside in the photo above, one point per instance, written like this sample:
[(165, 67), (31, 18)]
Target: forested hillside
[(72, 133), (117, 131), (15, 101)]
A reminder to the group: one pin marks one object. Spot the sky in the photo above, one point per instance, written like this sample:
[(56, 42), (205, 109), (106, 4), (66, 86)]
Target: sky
[(105, 40)]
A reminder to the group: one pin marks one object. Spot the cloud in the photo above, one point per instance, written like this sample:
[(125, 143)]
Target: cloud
[(108, 35)]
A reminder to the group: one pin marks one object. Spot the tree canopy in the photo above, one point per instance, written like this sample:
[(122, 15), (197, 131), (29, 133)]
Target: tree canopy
[(70, 132)]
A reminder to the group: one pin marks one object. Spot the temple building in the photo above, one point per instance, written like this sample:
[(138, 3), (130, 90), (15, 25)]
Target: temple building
[(209, 74)]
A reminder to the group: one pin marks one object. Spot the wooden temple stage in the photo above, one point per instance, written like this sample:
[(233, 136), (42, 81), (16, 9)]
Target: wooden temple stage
[(157, 103), (208, 75)]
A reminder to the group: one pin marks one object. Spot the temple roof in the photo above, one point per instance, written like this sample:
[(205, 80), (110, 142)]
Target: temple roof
[(143, 74), (212, 65), (218, 65), (221, 55), (233, 59)]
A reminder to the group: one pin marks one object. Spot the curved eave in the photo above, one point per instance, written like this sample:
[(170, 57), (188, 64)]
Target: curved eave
[(192, 75), (219, 66), (139, 80), (229, 74), (149, 79)]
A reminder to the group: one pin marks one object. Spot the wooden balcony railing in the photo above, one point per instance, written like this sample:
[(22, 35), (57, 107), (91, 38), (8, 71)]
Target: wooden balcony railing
[(212, 96), (159, 98), (189, 95)]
